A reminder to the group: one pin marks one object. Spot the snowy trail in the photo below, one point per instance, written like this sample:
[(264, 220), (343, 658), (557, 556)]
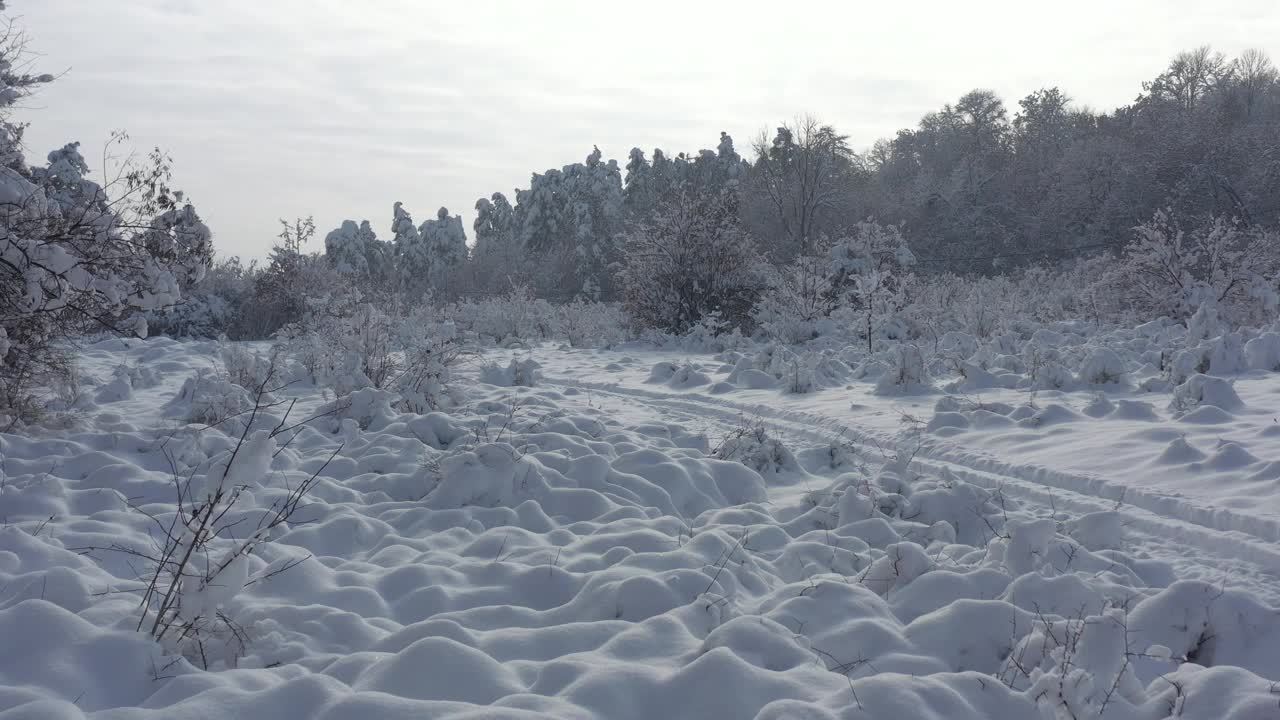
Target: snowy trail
[(1211, 544)]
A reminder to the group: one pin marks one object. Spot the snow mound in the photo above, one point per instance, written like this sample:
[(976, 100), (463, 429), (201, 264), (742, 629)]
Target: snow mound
[(519, 373), (547, 555), (1205, 390)]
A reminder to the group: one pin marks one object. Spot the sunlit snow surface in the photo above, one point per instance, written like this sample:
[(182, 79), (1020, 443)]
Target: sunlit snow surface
[(646, 534)]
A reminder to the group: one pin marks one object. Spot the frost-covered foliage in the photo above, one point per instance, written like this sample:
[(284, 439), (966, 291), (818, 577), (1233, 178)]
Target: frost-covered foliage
[(293, 284), (651, 184), (692, 261), (356, 347), (209, 398), (344, 348), (517, 318), (856, 282), (413, 258), (590, 324), (752, 445), (1176, 271), (76, 254), (519, 373), (220, 303), (799, 301), (430, 347), (906, 371)]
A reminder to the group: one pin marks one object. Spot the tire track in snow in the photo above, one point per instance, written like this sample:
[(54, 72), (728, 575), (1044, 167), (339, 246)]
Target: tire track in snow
[(1218, 542)]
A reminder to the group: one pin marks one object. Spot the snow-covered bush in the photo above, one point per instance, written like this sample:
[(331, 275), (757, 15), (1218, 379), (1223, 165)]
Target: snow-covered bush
[(1205, 390), (799, 298), (247, 368), (856, 282), (906, 373), (295, 285), (209, 399), (429, 347), (202, 556), (343, 348), (590, 324), (348, 349), (693, 259), (1263, 352), (1103, 366), (218, 304), (77, 255), (1172, 270), (516, 318), (520, 373), (751, 444)]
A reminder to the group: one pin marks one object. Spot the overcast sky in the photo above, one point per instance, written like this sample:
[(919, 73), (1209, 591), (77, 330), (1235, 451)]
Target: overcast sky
[(339, 108)]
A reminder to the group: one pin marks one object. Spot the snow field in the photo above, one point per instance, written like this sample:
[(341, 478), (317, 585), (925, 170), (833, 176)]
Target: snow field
[(554, 551)]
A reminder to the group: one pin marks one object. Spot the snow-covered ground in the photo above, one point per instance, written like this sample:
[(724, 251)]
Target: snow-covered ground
[(1211, 475), (650, 534)]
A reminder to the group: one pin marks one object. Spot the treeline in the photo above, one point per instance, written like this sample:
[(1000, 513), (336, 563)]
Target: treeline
[(976, 187)]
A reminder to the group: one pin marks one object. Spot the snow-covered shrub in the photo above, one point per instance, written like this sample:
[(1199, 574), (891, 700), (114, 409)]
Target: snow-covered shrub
[(1043, 363), (709, 334), (1263, 352), (591, 324), (1205, 390), (691, 260), (752, 445), (202, 557), (856, 282), (1103, 366), (208, 399), (520, 373), (218, 304), (1175, 271), (348, 349), (799, 378), (245, 367), (342, 344), (1223, 355), (75, 255), (295, 285), (1206, 323), (514, 318), (871, 268), (906, 373), (430, 348), (798, 299)]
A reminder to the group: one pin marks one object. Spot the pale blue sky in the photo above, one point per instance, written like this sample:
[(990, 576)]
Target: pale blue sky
[(280, 108)]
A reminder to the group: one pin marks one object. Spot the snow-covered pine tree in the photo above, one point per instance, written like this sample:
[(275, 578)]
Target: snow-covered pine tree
[(446, 247), (496, 258), (344, 248), (412, 257), (567, 220)]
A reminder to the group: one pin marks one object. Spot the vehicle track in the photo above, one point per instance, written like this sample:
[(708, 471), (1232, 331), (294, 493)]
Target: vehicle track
[(1203, 543)]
